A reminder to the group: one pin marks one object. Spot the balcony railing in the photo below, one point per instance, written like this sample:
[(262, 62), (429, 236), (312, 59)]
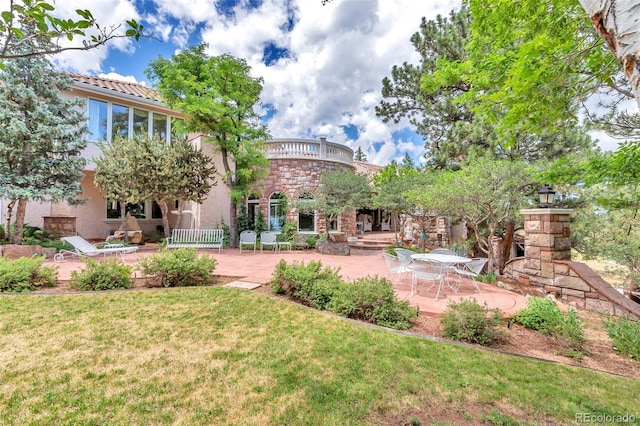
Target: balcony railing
[(309, 149)]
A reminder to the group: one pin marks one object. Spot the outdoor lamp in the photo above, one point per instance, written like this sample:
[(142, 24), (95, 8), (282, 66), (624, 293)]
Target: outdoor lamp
[(547, 195)]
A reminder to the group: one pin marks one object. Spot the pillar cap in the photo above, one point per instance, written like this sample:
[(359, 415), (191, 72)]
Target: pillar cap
[(546, 211)]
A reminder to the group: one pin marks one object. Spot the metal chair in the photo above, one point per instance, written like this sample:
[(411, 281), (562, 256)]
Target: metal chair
[(443, 251), (268, 239), (427, 270), (395, 267), (473, 269), (248, 238)]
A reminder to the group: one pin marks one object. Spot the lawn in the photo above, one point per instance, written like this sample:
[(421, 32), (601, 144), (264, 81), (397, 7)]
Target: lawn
[(213, 355)]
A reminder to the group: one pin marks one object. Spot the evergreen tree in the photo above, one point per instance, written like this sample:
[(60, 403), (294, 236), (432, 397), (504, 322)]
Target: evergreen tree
[(42, 136), (360, 155)]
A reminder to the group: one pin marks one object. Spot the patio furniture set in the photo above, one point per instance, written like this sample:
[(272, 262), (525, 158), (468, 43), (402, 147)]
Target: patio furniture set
[(440, 266)]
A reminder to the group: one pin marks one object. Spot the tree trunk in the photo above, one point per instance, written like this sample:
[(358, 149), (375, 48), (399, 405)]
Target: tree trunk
[(233, 225), (123, 215), (19, 228), (508, 241), (616, 22), (7, 233), (164, 209)]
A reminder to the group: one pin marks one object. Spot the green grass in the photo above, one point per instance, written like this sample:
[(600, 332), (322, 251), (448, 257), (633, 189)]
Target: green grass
[(212, 355)]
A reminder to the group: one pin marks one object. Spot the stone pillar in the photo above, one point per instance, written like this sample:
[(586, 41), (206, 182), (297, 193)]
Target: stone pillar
[(547, 238)]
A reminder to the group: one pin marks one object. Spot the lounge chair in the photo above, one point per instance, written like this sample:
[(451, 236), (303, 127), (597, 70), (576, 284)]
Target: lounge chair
[(82, 247)]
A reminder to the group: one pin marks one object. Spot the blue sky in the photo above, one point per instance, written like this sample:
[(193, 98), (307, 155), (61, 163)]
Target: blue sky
[(322, 65)]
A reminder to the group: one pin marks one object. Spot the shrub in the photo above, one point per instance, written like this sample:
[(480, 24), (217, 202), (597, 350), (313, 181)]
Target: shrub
[(25, 274), (469, 322), (372, 299), (108, 274), (178, 268), (540, 314), (625, 334), (543, 315), (288, 231), (310, 284)]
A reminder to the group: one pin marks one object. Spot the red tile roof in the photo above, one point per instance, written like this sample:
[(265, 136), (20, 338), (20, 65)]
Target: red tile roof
[(133, 89), (367, 169)]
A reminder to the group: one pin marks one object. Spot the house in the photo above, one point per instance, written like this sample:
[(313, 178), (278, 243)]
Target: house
[(116, 107)]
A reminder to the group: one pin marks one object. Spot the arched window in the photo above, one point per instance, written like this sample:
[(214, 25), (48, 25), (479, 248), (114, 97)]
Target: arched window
[(306, 216), (277, 211)]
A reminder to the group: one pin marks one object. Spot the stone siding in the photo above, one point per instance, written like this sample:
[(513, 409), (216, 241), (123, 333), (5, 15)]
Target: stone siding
[(293, 176)]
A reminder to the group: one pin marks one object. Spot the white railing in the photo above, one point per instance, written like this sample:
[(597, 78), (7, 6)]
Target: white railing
[(309, 149)]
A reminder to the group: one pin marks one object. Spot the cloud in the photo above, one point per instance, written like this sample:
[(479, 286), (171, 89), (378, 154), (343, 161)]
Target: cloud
[(336, 57)]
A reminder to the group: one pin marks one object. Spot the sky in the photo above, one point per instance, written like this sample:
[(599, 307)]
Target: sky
[(322, 65)]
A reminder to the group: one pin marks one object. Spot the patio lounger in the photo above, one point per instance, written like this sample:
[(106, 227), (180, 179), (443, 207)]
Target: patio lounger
[(82, 247)]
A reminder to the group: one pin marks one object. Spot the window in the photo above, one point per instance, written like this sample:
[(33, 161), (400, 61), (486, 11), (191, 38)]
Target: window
[(332, 224), (159, 126), (277, 211), (140, 122), (119, 121), (156, 213), (137, 210), (306, 216), (98, 115), (253, 211)]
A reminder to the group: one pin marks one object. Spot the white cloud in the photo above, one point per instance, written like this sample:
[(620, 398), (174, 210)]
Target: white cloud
[(338, 55)]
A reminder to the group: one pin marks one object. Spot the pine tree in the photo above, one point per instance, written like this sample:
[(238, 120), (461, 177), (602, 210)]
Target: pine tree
[(360, 155), (41, 139)]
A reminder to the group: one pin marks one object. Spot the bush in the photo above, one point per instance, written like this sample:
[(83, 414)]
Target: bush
[(540, 314), (372, 299), (108, 274), (625, 334), (178, 268), (25, 274), (310, 284), (469, 322), (543, 315)]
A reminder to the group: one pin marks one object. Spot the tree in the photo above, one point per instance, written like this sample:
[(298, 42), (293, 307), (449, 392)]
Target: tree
[(41, 139), (217, 96), (144, 168), (485, 195), (390, 185), (41, 16), (616, 23), (340, 191), (360, 155)]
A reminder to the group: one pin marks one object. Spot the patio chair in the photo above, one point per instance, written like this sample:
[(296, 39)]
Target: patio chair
[(268, 239), (82, 247), (404, 256), (473, 269), (386, 225), (248, 238), (395, 267), (443, 251), (427, 270)]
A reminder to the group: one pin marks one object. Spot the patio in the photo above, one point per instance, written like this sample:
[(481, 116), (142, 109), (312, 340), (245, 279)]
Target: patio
[(258, 268)]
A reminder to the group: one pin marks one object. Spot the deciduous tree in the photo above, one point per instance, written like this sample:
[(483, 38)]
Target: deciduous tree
[(217, 96), (144, 169), (47, 25)]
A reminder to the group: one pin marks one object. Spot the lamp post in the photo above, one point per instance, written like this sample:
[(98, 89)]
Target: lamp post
[(546, 196)]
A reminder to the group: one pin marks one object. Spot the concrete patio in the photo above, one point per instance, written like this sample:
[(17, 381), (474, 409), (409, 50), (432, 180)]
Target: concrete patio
[(258, 268)]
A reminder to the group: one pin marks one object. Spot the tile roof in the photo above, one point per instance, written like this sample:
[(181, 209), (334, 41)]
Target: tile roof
[(133, 89), (367, 169)]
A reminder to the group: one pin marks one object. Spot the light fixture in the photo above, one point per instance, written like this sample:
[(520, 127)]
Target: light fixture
[(547, 196)]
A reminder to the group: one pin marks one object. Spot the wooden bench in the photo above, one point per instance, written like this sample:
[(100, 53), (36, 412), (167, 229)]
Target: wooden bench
[(196, 238)]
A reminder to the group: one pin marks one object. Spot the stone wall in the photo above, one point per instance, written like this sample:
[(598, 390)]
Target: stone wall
[(65, 226), (577, 284), (293, 176)]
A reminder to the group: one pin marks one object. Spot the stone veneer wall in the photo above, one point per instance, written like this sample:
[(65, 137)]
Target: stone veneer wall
[(547, 265), (64, 226), (296, 175)]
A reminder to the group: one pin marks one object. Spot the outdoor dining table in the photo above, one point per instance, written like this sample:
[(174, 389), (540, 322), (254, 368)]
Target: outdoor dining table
[(448, 262)]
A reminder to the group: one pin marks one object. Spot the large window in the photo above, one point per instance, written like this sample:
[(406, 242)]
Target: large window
[(137, 210), (119, 121), (107, 120), (306, 216), (160, 126), (253, 211), (277, 211), (98, 120)]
